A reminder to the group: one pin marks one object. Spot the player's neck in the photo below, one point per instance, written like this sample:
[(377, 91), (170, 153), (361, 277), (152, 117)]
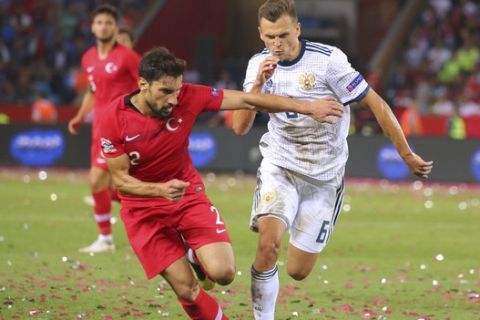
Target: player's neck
[(104, 48), (138, 101), (296, 51)]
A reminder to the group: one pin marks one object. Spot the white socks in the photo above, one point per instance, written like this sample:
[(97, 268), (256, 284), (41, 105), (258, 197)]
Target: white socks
[(265, 286)]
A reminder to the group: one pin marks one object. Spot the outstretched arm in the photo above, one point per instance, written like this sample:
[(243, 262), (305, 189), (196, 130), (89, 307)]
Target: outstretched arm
[(323, 110), (172, 190), (392, 129), (87, 105)]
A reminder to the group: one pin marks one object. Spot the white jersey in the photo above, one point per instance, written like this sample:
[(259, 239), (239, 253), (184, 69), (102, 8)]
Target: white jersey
[(297, 142)]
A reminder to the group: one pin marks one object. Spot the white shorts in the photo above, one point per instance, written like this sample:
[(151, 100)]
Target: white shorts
[(308, 207)]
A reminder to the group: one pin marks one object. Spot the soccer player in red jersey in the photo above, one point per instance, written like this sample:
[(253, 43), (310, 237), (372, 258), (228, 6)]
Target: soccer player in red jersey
[(112, 70), (144, 138)]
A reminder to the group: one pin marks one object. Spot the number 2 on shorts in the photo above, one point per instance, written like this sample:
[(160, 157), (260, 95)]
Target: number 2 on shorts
[(215, 211)]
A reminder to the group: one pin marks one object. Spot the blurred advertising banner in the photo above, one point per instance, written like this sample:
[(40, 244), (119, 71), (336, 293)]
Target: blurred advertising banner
[(219, 149)]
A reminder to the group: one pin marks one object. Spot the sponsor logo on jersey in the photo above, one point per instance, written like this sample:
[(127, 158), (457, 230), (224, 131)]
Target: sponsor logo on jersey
[(390, 164), (215, 92), (307, 81), (107, 146), (202, 147), (173, 124), (476, 165), (37, 147), (355, 83), (111, 67), (131, 138)]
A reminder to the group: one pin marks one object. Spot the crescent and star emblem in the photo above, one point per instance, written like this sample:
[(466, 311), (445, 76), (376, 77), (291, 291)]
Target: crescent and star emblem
[(111, 67), (173, 124)]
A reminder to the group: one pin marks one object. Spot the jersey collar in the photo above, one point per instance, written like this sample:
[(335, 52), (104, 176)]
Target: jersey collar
[(300, 55), (127, 100)]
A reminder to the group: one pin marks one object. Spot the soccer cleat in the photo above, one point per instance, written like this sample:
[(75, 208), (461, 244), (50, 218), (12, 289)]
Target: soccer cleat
[(205, 282), (98, 246)]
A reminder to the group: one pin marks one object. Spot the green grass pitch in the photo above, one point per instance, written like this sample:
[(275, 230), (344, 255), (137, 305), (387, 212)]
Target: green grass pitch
[(406, 251)]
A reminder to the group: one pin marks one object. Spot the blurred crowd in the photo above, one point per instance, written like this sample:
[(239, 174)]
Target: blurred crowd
[(439, 72), (41, 43)]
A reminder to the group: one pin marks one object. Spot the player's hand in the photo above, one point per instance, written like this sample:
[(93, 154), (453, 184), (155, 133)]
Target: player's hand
[(174, 190), (74, 124), (265, 70), (326, 110), (417, 165)]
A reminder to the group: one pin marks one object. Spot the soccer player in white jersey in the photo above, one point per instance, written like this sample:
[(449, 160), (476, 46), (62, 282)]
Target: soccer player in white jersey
[(300, 180)]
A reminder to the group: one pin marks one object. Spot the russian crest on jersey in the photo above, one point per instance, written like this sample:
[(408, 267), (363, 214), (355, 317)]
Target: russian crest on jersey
[(307, 81)]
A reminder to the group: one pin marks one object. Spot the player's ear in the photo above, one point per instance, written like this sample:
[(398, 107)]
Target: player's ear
[(260, 33), (142, 84)]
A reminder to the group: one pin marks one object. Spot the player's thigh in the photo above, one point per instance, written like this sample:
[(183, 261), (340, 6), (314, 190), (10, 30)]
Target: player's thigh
[(299, 262), (218, 260), (201, 223), (156, 243), (275, 195), (318, 211), (180, 277)]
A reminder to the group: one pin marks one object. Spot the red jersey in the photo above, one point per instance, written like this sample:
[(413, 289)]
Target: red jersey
[(157, 148), (111, 77)]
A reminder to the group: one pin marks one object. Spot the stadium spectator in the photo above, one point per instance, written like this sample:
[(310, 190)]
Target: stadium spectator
[(300, 180), (111, 70), (44, 110), (164, 204), (410, 120)]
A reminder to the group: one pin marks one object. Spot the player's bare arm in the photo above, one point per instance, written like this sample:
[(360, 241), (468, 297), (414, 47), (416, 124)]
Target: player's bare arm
[(87, 105), (172, 190), (243, 119), (392, 129), (322, 110)]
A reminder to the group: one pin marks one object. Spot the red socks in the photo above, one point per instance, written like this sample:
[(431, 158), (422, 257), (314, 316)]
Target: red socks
[(103, 207), (205, 307)]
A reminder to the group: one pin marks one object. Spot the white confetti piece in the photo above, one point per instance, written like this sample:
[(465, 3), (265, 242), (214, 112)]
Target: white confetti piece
[(417, 185), (435, 282), (428, 192), (439, 257), (423, 267), (428, 204), (42, 175), (53, 197), (347, 207)]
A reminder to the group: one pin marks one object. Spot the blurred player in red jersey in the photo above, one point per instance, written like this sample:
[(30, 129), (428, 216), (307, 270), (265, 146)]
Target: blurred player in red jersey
[(125, 37), (144, 138), (112, 70)]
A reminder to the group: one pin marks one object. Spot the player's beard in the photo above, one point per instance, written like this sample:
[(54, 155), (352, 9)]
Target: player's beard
[(161, 113), (106, 39)]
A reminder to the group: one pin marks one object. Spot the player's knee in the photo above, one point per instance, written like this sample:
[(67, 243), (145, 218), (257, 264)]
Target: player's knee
[(269, 247), (297, 273), (187, 292), (223, 275)]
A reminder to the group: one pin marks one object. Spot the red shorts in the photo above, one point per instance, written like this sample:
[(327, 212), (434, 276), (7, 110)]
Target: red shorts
[(155, 232), (96, 157)]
